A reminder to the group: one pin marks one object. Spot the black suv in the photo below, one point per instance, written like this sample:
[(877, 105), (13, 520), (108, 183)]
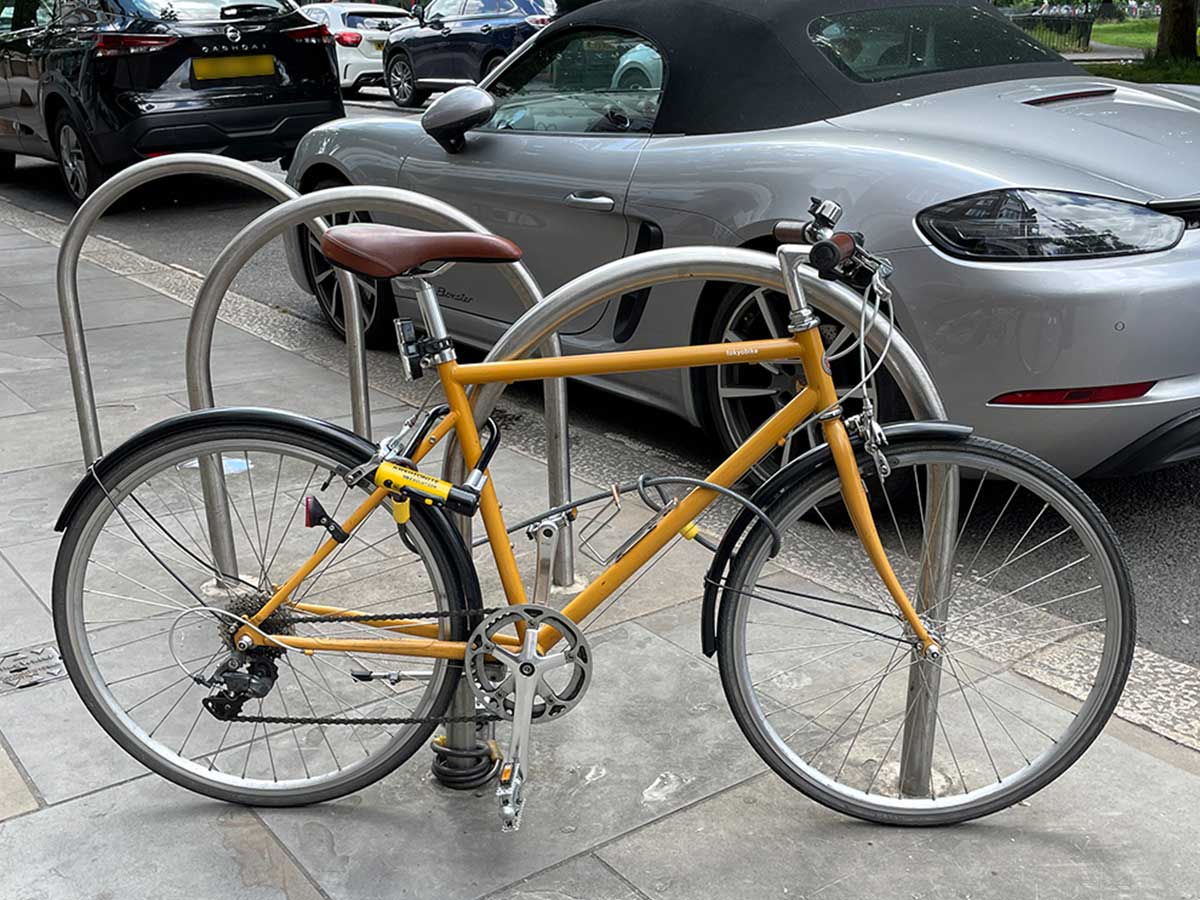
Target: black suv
[(455, 42), (101, 84)]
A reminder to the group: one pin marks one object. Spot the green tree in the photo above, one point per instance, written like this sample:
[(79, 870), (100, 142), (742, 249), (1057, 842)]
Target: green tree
[(1177, 30)]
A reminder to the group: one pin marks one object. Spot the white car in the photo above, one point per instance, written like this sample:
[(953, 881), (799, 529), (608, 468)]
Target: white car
[(359, 32)]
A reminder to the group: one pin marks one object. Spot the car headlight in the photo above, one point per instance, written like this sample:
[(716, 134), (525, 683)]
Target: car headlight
[(1016, 224)]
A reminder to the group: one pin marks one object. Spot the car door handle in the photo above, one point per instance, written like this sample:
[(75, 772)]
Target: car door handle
[(486, 29), (593, 202)]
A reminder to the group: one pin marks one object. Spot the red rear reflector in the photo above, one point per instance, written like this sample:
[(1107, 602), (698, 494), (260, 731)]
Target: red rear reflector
[(348, 38), (539, 21), (309, 34), (124, 44), (1072, 396)]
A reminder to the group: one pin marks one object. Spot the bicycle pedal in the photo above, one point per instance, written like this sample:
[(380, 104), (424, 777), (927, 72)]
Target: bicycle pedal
[(510, 793)]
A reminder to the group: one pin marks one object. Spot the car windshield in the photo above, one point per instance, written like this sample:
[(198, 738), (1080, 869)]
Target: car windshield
[(898, 42), (377, 21), (206, 10)]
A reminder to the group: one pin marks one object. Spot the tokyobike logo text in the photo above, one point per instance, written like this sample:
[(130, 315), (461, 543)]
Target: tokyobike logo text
[(746, 351)]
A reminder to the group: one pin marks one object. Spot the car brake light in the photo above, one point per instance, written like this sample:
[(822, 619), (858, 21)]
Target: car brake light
[(1073, 396), (539, 21), (125, 44), (309, 34), (348, 38)]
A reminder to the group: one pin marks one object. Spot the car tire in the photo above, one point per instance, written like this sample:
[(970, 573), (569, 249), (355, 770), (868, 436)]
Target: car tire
[(379, 304), (8, 165), (402, 83), (738, 399), (634, 80), (81, 173), (490, 65)]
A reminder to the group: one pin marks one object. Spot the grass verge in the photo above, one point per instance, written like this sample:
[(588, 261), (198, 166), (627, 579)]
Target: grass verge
[(1140, 33), (1149, 71)]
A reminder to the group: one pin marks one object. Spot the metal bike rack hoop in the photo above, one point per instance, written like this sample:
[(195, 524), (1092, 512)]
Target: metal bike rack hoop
[(309, 207), (725, 264), (80, 227), (740, 266)]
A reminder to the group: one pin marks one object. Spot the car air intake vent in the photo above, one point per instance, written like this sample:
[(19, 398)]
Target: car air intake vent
[(1187, 208), (1066, 96)]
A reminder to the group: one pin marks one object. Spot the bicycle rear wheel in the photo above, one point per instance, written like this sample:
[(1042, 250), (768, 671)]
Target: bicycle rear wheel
[(1015, 571), (140, 613)]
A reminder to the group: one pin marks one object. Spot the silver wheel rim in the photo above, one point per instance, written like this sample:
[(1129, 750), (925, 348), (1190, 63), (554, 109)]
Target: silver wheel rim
[(400, 80), (193, 767), (984, 797), (327, 286), (72, 160), (748, 394)]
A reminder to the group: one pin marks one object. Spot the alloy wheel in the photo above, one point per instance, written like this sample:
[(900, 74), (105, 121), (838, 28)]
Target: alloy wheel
[(327, 287), (72, 161), (401, 82), (747, 395)]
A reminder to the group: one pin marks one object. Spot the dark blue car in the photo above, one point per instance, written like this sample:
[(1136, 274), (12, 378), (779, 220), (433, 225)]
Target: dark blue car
[(455, 42)]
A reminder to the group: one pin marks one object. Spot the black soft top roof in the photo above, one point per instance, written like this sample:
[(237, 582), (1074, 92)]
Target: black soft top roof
[(744, 65)]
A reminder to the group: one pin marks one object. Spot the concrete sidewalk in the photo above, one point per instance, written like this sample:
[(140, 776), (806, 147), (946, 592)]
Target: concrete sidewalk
[(649, 790)]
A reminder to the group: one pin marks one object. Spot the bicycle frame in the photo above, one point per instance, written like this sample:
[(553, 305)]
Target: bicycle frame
[(422, 638)]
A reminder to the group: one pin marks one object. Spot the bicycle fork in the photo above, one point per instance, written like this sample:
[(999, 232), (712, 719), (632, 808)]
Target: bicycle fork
[(804, 324)]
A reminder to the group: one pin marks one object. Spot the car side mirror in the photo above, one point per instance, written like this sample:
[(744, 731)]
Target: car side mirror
[(455, 113), (418, 11)]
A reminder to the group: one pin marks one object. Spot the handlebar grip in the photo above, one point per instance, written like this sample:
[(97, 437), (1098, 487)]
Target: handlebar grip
[(791, 232), (830, 253)]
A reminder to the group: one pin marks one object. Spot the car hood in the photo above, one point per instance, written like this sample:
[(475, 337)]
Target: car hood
[(1140, 142)]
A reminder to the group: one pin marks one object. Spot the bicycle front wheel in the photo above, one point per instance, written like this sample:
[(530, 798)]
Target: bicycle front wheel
[(144, 614), (1013, 569)]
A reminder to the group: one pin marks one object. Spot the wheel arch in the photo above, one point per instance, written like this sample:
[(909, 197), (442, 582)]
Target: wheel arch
[(54, 104), (777, 485)]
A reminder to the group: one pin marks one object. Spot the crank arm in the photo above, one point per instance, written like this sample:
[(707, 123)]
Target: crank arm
[(510, 791)]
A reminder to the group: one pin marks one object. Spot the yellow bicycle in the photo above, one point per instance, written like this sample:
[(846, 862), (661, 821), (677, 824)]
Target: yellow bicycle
[(913, 625)]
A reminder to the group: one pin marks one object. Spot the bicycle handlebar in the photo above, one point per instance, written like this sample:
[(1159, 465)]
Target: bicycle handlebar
[(828, 254)]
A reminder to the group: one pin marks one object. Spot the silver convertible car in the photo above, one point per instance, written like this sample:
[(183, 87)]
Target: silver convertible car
[(1043, 222)]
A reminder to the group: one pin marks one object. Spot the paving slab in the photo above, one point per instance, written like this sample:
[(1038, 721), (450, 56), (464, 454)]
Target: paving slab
[(650, 737), (45, 320), (146, 839), (26, 355), (34, 497), (1092, 833), (24, 620), (43, 276), (313, 392), (11, 404), (19, 240), (15, 796), (63, 750), (95, 285), (144, 359), (50, 437), (582, 877)]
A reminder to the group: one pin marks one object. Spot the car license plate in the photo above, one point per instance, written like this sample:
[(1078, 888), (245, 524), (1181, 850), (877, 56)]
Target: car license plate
[(219, 67), (378, 44)]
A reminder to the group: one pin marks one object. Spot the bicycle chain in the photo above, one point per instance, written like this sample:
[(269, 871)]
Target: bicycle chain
[(287, 619)]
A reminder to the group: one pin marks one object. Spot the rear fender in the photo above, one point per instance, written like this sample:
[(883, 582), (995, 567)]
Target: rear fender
[(778, 485), (354, 446)]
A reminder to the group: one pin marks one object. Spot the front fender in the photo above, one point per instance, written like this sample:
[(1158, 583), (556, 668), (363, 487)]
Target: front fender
[(779, 484)]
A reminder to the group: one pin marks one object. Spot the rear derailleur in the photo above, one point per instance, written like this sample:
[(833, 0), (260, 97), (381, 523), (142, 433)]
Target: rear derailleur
[(235, 686)]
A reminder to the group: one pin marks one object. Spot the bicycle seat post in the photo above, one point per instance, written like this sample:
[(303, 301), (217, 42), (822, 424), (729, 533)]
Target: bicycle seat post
[(431, 312)]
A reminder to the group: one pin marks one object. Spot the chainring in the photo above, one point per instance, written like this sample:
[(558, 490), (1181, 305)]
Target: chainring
[(566, 679)]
